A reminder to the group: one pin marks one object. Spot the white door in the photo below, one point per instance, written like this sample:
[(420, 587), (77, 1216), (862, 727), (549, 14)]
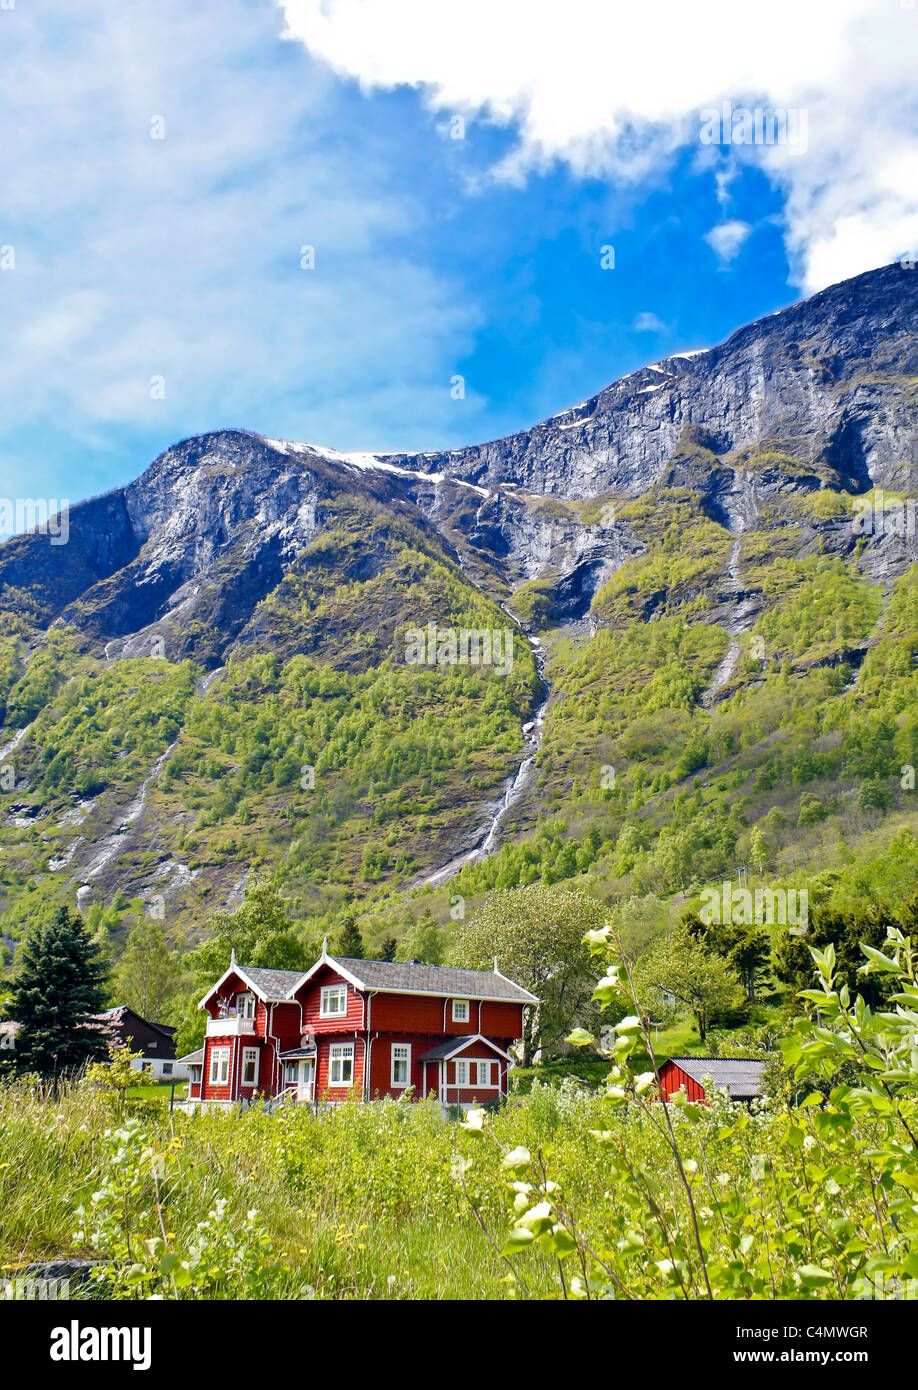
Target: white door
[(304, 1080)]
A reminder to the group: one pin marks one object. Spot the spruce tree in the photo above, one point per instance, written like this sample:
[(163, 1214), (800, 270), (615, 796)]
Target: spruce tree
[(388, 949), (350, 940), (58, 988)]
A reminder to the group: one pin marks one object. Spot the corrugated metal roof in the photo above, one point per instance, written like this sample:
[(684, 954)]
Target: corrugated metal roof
[(740, 1076), (433, 979)]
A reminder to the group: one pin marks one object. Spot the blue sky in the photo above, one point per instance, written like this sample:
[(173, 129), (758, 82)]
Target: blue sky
[(152, 287)]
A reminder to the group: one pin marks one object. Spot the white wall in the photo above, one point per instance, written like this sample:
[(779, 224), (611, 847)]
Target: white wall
[(162, 1070)]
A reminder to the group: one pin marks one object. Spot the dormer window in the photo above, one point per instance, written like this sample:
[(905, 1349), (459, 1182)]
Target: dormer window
[(333, 1001), (245, 1005), (460, 1011)]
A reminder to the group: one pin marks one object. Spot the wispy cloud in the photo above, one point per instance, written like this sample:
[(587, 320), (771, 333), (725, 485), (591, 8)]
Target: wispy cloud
[(647, 322), (158, 281)]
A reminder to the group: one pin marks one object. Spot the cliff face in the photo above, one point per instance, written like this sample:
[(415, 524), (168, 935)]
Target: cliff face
[(830, 383), (694, 518), (819, 395)]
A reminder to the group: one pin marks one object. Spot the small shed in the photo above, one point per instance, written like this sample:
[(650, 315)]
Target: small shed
[(740, 1077)]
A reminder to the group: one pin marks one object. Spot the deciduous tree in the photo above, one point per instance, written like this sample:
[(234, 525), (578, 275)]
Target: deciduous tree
[(148, 975), (537, 933), (682, 967)]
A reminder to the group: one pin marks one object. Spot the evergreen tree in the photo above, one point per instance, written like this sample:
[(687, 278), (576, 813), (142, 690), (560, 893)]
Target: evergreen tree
[(388, 948), (350, 942), (845, 930), (59, 986)]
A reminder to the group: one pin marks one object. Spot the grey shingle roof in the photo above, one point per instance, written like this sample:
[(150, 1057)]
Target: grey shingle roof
[(193, 1059), (392, 976), (117, 1016), (458, 1044), (451, 1045), (740, 1076), (274, 984)]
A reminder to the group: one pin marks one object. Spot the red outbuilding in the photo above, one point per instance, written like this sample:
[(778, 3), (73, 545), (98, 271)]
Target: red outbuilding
[(740, 1077), (356, 1030)]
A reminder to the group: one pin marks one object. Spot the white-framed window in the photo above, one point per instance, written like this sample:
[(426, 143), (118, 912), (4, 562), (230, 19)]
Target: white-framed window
[(401, 1064), (333, 1001), (245, 1005), (219, 1066), (484, 1073), (290, 1074), (460, 1011), (167, 1068), (249, 1066), (341, 1064), (462, 1073)]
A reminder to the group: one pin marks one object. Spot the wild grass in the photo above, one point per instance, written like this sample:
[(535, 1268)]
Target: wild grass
[(360, 1202)]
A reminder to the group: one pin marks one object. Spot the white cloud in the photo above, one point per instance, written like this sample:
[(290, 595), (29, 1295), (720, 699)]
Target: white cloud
[(613, 91), (648, 323), (727, 238)]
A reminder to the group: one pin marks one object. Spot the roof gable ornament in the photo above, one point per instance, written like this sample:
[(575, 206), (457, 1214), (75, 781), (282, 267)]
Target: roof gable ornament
[(324, 947), (233, 958)]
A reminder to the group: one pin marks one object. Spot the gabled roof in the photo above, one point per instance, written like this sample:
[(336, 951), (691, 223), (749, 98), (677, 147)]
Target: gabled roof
[(119, 1013), (193, 1059), (271, 986), (740, 1076), (392, 977), (445, 1050)]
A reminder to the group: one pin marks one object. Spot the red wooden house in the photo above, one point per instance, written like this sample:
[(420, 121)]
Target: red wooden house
[(356, 1030)]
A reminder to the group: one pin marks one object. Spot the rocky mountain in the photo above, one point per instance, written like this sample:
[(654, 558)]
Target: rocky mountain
[(201, 626)]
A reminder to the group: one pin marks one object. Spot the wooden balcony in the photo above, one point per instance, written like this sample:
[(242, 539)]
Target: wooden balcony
[(233, 1026)]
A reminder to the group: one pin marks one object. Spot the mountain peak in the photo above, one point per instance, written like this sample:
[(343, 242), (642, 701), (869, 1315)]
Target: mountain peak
[(818, 395)]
